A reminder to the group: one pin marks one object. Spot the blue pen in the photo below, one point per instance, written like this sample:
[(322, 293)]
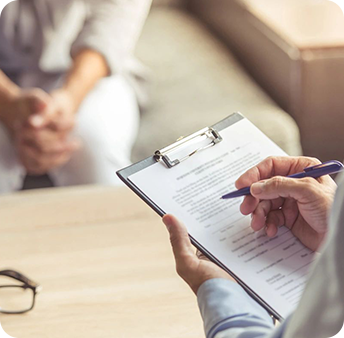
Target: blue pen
[(326, 168)]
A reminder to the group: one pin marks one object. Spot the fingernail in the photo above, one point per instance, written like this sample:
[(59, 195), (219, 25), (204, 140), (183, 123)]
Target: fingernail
[(37, 120), (266, 229), (257, 188)]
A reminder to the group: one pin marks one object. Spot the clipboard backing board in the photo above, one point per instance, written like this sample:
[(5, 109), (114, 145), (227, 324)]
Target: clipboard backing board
[(125, 175)]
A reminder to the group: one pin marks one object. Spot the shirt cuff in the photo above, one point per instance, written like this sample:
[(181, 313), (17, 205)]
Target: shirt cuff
[(224, 304)]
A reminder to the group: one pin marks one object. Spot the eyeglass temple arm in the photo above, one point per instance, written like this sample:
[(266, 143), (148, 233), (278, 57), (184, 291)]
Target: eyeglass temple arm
[(20, 277)]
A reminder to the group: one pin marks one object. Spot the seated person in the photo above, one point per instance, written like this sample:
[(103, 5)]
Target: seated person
[(66, 105), (302, 205)]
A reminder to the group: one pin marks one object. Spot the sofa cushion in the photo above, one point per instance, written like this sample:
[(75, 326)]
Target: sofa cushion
[(196, 82)]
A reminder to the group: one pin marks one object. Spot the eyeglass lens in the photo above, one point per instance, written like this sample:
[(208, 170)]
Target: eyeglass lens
[(14, 297)]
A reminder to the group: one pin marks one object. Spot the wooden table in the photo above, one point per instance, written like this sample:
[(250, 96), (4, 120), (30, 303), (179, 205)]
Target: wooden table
[(105, 264)]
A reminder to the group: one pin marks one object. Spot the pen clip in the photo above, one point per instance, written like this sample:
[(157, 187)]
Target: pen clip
[(334, 163)]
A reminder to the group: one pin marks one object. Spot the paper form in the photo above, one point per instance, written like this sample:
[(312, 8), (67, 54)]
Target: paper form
[(274, 268)]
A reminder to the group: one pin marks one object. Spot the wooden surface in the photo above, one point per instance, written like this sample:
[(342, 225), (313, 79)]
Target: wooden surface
[(105, 264), (305, 23)]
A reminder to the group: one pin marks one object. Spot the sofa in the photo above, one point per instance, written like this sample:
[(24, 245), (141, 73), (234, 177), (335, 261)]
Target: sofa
[(196, 81)]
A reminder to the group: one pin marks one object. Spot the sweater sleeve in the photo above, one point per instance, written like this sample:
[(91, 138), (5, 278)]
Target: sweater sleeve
[(228, 311), (112, 28)]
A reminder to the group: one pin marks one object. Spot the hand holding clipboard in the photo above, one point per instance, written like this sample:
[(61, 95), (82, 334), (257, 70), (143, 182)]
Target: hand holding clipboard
[(186, 180)]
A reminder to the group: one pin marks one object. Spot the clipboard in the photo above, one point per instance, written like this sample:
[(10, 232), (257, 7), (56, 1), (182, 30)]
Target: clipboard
[(168, 158)]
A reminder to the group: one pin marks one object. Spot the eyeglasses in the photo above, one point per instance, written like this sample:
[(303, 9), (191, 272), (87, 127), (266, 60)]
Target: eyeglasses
[(17, 292)]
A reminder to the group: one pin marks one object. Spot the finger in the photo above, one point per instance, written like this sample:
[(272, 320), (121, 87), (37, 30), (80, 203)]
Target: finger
[(248, 205), (42, 169), (60, 160), (299, 189), (250, 176), (45, 135), (179, 238), (54, 121), (65, 124), (259, 215), (38, 99), (46, 142), (40, 165), (271, 230), (40, 105), (39, 158), (54, 148), (291, 212), (38, 120), (271, 166), (272, 205), (43, 117), (262, 211), (274, 220)]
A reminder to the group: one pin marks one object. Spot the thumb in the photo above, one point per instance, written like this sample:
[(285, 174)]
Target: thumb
[(299, 189), (179, 238), (38, 120), (42, 110)]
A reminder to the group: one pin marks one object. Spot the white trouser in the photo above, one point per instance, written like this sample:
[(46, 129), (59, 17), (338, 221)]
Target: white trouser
[(107, 124)]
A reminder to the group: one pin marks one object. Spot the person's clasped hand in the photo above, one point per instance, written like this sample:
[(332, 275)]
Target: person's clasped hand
[(42, 135), (26, 103), (302, 205)]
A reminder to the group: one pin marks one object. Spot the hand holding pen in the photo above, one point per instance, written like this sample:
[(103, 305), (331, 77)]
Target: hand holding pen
[(301, 204)]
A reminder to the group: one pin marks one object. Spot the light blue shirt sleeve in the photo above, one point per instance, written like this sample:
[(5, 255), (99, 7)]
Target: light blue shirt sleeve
[(229, 312)]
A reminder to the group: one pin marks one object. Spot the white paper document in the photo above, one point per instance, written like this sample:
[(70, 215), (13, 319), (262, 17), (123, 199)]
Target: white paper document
[(276, 268)]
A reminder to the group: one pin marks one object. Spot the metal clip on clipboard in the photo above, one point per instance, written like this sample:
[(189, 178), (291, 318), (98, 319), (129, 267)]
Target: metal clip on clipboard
[(165, 155)]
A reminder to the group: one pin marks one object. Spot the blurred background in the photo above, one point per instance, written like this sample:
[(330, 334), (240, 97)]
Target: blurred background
[(280, 63)]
